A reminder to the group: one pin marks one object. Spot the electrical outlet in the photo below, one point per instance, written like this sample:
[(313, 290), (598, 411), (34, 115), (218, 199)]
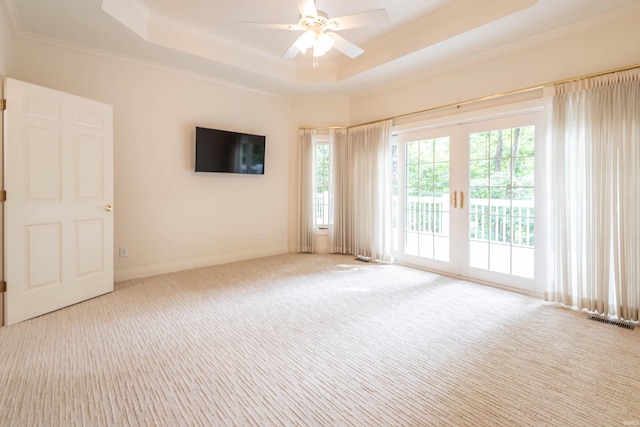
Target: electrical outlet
[(124, 251), (263, 235)]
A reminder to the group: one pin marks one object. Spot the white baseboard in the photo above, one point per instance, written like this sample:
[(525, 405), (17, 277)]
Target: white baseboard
[(189, 264)]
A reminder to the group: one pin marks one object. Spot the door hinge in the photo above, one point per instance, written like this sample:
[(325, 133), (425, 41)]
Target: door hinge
[(3, 195), (3, 104), (3, 286)]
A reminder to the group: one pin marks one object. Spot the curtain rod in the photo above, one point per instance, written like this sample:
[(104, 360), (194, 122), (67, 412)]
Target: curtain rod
[(485, 98)]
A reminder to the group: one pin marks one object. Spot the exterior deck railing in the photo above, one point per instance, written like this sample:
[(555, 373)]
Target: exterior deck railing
[(494, 220)]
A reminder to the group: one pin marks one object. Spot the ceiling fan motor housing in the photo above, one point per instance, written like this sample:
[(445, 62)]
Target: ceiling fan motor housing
[(318, 23)]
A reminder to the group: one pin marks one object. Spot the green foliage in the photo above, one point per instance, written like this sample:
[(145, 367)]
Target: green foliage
[(502, 163), (322, 168), (427, 167), (501, 167), (500, 160)]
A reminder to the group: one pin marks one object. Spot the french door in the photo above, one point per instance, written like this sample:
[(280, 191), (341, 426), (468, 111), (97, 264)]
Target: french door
[(467, 199), (424, 207)]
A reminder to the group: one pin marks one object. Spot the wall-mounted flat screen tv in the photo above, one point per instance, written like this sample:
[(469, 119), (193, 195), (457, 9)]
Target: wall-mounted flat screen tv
[(231, 152)]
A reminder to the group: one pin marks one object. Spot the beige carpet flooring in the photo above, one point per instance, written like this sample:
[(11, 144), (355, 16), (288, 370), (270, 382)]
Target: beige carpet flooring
[(316, 340)]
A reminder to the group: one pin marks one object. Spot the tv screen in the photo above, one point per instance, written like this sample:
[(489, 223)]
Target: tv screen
[(232, 152)]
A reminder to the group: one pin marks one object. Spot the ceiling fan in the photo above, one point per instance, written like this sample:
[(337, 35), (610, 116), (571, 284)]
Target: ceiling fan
[(320, 30)]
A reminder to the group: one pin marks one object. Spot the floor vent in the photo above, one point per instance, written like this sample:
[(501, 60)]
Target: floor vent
[(611, 322)]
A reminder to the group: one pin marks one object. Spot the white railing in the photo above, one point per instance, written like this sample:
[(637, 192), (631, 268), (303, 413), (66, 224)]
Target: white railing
[(495, 220), (322, 208), (502, 221), (427, 216)]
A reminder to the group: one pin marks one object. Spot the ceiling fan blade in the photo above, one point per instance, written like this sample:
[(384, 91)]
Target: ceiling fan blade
[(346, 47), (307, 8), (372, 17), (292, 52), (290, 27)]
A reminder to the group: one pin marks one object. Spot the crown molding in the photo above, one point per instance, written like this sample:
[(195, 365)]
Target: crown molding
[(118, 57)]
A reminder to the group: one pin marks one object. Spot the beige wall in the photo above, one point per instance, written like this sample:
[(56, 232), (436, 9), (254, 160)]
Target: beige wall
[(169, 217), (6, 43)]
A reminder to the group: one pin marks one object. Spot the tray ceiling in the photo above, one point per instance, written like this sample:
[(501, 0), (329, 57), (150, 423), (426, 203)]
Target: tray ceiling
[(204, 36)]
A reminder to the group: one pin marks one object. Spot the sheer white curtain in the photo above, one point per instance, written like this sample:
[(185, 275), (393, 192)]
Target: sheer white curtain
[(341, 239), (594, 161), (361, 186), (306, 214)]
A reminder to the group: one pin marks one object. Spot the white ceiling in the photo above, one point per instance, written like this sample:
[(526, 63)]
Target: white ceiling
[(204, 36)]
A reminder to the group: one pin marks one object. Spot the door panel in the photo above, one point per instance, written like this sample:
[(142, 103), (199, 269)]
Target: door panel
[(44, 255), (43, 152), (424, 199), (59, 179), (89, 244), (500, 214)]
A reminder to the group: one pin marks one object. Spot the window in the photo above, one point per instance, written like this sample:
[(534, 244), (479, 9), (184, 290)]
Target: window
[(322, 205)]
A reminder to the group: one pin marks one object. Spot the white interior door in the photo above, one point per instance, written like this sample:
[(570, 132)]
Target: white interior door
[(58, 168)]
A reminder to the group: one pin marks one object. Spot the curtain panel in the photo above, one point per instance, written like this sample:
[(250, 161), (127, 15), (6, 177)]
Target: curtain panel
[(341, 239), (306, 214), (361, 191), (594, 210)]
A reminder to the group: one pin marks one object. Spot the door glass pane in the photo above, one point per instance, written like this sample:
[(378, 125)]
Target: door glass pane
[(501, 210), (427, 199)]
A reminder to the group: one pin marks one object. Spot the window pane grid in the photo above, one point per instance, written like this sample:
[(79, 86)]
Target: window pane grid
[(427, 198)]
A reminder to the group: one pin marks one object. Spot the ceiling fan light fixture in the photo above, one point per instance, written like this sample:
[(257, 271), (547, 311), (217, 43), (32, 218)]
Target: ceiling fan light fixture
[(323, 44), (320, 32), (306, 41)]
